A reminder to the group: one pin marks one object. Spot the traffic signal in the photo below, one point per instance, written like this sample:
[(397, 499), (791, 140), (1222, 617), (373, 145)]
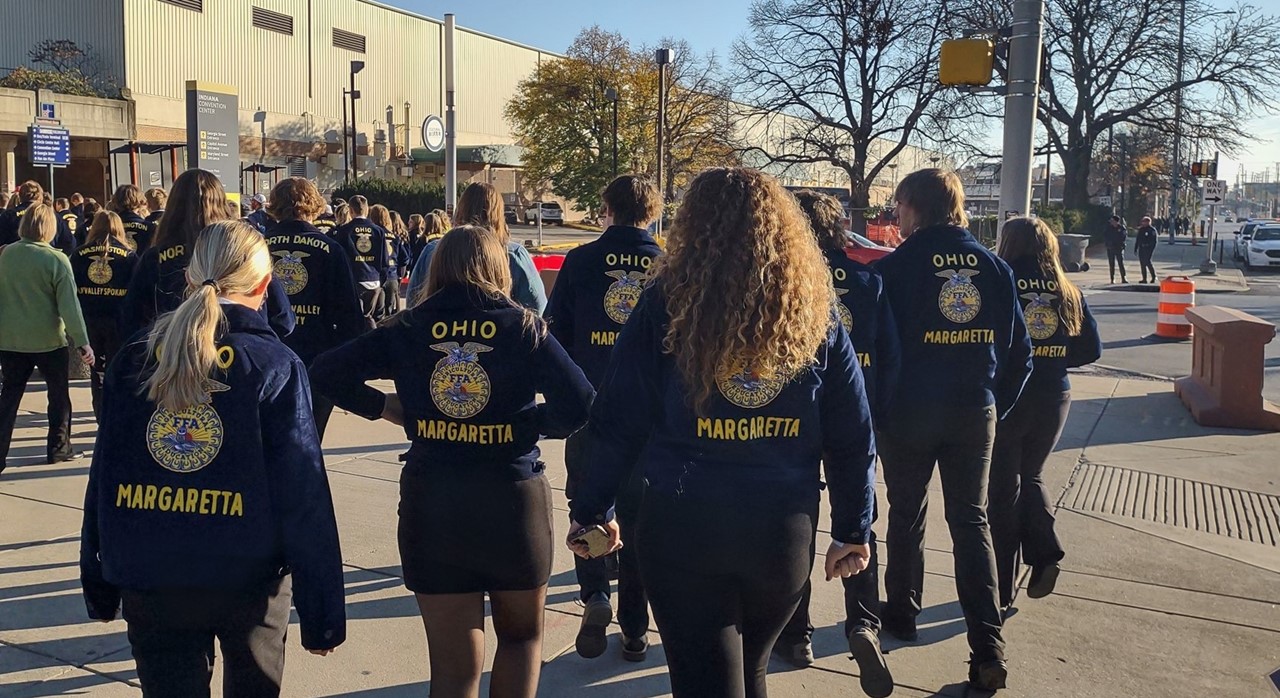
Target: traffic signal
[(1210, 169), (966, 62), (1197, 169)]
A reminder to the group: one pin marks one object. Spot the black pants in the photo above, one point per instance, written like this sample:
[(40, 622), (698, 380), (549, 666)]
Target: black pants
[(104, 337), (1115, 258), (370, 304), (594, 575), (724, 576), (17, 368), (1144, 263), (172, 632), (861, 602), (1021, 511), (960, 443)]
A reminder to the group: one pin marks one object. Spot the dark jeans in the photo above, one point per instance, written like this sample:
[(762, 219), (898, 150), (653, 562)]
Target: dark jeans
[(17, 368), (391, 297), (172, 632), (861, 602), (104, 337), (1021, 511), (1144, 263), (370, 304), (724, 575), (1115, 258), (594, 575), (959, 442)]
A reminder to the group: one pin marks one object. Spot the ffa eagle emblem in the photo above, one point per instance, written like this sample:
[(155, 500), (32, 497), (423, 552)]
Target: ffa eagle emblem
[(623, 294), (290, 270), (186, 440), (71, 222), (364, 242), (959, 299), (846, 317), (1042, 319), (746, 387), (100, 270), (459, 386)]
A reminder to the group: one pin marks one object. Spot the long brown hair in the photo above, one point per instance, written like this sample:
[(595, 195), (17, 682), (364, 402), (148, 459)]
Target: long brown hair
[(380, 216), (481, 204), (745, 283), (196, 201), (127, 198), (1032, 237), (473, 257), (107, 226), (935, 195)]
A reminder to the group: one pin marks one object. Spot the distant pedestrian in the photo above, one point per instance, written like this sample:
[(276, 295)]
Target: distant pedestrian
[(258, 216), (1064, 335), (1145, 246), (103, 267), (38, 309), (129, 203), (157, 199), (1115, 237), (326, 221), (69, 226), (481, 204), (30, 193), (366, 246), (208, 509)]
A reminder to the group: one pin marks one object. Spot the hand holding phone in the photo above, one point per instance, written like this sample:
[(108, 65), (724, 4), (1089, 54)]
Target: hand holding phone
[(591, 542)]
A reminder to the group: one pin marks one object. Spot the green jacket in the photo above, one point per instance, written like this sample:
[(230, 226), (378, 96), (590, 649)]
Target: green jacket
[(38, 304)]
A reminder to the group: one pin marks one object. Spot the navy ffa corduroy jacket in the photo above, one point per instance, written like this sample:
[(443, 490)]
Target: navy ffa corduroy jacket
[(1053, 350), (63, 239), (325, 223), (316, 274), (868, 319), (102, 273), (964, 342), (397, 257), (70, 227), (227, 495), (467, 370), (755, 435), (159, 286), (366, 245), (595, 292), (139, 229)]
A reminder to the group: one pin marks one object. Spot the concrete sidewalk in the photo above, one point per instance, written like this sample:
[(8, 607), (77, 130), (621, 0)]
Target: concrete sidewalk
[(1170, 588), (1179, 259)]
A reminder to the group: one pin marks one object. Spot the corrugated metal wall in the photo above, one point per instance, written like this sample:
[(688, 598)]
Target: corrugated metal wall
[(96, 23), (487, 73)]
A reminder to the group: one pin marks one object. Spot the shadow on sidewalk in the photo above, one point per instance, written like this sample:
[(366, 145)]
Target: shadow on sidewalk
[(1147, 418)]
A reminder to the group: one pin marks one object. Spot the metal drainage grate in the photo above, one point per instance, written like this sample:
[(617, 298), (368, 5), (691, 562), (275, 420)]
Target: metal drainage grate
[(1174, 501)]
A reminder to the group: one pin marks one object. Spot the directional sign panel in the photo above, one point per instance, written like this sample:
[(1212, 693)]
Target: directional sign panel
[(213, 132), (1215, 192), (49, 146)]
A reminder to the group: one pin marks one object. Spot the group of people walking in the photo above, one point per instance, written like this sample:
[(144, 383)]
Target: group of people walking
[(709, 392)]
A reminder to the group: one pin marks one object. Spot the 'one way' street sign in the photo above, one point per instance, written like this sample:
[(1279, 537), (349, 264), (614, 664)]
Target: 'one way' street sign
[(1215, 191)]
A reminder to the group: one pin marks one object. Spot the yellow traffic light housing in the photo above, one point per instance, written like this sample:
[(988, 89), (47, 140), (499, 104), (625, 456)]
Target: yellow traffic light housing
[(966, 62)]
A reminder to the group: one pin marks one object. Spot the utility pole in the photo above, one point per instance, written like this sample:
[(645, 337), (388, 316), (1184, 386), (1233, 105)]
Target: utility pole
[(450, 130), (1176, 186), (663, 58), (1020, 107)]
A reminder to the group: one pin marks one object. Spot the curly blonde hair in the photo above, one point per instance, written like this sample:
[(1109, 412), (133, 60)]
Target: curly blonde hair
[(744, 281)]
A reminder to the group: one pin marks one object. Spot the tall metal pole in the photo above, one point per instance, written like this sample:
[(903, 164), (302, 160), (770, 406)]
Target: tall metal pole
[(1208, 266), (1175, 198), (615, 135), (355, 165), (450, 132), (346, 151), (1020, 106), (663, 58)]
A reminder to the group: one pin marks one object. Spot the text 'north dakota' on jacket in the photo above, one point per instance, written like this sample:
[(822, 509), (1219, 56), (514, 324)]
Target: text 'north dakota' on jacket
[(316, 274)]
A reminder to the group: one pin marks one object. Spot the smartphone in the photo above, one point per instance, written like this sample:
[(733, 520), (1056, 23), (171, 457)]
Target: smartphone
[(596, 539)]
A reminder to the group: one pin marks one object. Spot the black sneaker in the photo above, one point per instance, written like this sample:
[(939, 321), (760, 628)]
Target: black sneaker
[(54, 458), (988, 676), (596, 616), (1043, 579), (797, 653), (873, 672), (634, 649), (900, 627)]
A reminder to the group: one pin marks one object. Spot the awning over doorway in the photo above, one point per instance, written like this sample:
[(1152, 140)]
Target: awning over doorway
[(500, 155)]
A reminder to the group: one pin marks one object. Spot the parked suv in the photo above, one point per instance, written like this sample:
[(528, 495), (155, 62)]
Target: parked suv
[(551, 213), (1244, 234), (1263, 249)]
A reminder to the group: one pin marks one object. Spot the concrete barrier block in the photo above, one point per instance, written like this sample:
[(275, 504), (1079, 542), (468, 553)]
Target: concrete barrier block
[(1227, 356)]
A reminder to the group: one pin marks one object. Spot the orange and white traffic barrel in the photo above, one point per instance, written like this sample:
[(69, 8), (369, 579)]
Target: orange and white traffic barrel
[(1177, 294)]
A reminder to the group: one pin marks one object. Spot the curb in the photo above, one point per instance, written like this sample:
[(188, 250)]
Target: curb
[(1139, 374)]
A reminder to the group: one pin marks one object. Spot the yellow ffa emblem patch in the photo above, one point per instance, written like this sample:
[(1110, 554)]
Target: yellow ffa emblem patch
[(746, 387), (100, 270), (72, 222), (846, 317), (363, 242), (187, 440), (290, 270), (959, 299), (623, 294), (459, 386), (1042, 319)]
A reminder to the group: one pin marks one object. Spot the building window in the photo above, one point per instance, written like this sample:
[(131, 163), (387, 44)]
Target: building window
[(297, 165), (272, 21), (195, 5), (348, 40)]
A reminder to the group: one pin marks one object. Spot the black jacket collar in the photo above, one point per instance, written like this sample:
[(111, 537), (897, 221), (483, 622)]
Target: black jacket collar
[(243, 319)]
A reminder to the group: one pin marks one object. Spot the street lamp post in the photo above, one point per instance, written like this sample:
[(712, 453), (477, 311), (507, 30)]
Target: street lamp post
[(612, 95), (663, 57), (893, 179), (356, 67)]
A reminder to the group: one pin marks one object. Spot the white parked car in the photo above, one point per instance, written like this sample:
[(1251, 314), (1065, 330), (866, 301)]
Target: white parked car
[(551, 213), (1244, 234), (1264, 247)]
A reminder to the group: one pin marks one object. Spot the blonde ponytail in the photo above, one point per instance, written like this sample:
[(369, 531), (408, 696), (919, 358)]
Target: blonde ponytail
[(228, 257)]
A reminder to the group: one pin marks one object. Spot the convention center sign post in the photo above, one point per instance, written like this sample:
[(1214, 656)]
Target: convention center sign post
[(213, 133)]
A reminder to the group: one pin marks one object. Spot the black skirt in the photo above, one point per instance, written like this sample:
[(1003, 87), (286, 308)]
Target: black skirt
[(464, 531)]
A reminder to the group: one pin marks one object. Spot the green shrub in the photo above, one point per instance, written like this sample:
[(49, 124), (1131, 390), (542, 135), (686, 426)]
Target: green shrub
[(405, 196), (71, 82)]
